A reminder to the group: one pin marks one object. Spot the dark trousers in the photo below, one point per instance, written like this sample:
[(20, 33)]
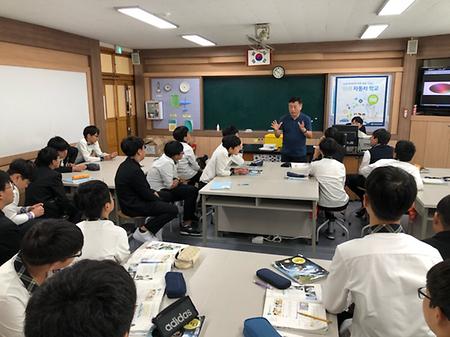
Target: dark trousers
[(357, 184), (184, 192), (195, 179), (293, 159), (161, 212)]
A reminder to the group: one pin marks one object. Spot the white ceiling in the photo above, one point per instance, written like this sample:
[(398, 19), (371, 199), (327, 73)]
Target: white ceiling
[(226, 22)]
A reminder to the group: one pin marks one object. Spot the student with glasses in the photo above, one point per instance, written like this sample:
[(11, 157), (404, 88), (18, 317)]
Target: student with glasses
[(89, 148), (48, 246), (436, 299)]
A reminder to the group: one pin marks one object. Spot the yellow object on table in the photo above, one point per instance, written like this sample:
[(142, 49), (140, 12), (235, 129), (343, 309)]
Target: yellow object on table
[(271, 139), (80, 176)]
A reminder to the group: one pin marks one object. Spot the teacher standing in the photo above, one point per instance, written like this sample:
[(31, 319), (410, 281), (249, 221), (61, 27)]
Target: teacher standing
[(296, 127)]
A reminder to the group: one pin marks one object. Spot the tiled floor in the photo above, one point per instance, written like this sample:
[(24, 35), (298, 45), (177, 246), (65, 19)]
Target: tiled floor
[(242, 242)]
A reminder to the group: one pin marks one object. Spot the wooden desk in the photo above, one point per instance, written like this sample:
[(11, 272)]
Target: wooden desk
[(221, 287), (264, 204), (427, 200)]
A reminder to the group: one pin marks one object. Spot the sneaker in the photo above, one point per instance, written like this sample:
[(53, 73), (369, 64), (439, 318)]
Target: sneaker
[(144, 236), (189, 230)]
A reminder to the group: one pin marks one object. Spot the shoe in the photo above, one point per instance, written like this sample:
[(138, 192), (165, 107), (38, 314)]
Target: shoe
[(361, 212), (144, 236), (190, 231)]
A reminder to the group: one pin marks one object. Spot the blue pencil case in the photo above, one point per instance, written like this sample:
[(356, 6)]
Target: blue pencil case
[(259, 327), (175, 285), (273, 278)]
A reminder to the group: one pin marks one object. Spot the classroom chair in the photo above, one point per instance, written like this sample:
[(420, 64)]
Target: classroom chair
[(331, 219)]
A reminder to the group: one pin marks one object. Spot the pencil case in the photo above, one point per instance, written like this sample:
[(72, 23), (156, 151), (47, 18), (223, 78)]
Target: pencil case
[(273, 278), (187, 257), (175, 285), (259, 327), (80, 176)]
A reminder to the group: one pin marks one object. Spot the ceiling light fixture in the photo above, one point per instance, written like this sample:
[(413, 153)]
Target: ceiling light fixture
[(144, 16), (372, 31), (198, 40), (395, 7)]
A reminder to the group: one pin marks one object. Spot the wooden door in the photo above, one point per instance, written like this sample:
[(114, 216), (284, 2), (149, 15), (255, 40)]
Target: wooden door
[(437, 146), (110, 114)]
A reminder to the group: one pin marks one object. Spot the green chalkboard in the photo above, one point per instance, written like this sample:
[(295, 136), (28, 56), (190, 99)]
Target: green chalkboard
[(254, 102)]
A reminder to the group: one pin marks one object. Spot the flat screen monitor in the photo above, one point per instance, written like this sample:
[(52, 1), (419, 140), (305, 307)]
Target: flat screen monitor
[(351, 134), (436, 88)]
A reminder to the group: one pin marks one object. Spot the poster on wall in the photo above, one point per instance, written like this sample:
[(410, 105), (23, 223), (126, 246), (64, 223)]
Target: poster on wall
[(363, 96), (180, 100)]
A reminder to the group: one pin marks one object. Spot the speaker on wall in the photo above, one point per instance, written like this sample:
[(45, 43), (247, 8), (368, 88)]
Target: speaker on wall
[(412, 47), (135, 59)]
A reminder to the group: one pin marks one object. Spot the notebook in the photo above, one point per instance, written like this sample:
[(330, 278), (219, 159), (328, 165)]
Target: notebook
[(300, 269), (221, 185)]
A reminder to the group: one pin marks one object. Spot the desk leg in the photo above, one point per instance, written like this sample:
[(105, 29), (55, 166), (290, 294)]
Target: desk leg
[(204, 219), (424, 222), (313, 226)]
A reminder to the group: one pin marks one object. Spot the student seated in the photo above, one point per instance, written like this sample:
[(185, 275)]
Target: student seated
[(187, 167), (330, 174), (89, 148), (441, 226), (436, 299), (339, 137), (236, 158), (380, 273), (380, 150), (135, 196), (102, 238), (48, 246), (163, 178), (10, 233), (68, 155), (20, 172), (102, 302), (46, 187), (403, 153), (220, 163), (358, 121)]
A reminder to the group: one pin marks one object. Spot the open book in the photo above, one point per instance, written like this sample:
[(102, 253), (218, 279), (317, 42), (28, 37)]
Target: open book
[(300, 269), (284, 308)]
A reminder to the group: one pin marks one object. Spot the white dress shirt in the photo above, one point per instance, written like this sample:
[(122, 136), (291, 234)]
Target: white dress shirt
[(13, 301), (331, 177), (162, 173), (187, 166), (103, 240), (408, 167), (236, 159), (89, 152), (381, 273), (17, 214), (218, 165)]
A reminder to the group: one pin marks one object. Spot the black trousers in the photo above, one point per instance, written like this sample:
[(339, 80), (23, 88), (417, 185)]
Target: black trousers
[(161, 212), (357, 184), (184, 192), (293, 159), (195, 179)]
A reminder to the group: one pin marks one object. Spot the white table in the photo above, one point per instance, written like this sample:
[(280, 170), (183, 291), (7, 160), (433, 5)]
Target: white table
[(107, 172), (428, 198), (264, 204), (221, 288)]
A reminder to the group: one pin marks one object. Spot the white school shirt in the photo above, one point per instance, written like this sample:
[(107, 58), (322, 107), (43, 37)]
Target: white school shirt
[(89, 152), (331, 177), (103, 240), (236, 159), (162, 173), (218, 165), (13, 301), (408, 167), (187, 166), (14, 212), (381, 273)]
